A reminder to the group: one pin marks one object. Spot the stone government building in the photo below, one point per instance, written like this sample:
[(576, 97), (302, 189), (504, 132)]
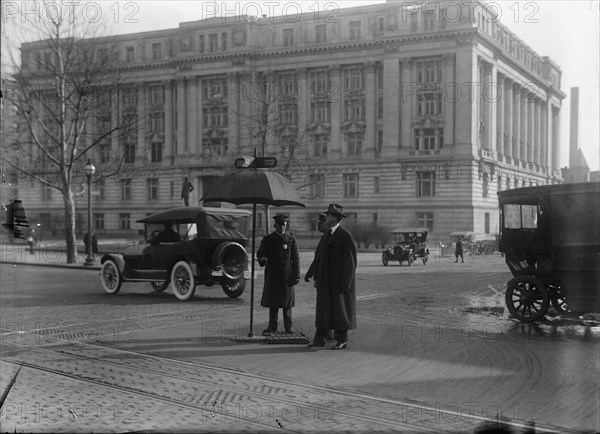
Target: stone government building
[(425, 113)]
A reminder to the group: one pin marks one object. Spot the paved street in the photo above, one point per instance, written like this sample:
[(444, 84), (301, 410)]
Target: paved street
[(433, 351)]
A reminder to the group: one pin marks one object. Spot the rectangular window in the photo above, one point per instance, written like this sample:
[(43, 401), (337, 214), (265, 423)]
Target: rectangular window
[(429, 21), (129, 152), (101, 189), (499, 182), (321, 33), (213, 43), (104, 152), (376, 184), (429, 139), (156, 152), (425, 184), (124, 221), (46, 192), (224, 41), (152, 187), (157, 51), (321, 141), (425, 219), (317, 185), (288, 37), (485, 185), (98, 221), (354, 29), (129, 54), (350, 185), (201, 44), (487, 222), (355, 143), (379, 145), (156, 95), (126, 189)]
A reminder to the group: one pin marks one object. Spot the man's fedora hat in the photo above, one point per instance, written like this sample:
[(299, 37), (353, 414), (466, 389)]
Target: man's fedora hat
[(335, 209), (280, 219)]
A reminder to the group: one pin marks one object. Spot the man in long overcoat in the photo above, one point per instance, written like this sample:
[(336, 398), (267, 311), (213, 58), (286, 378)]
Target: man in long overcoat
[(278, 253), (335, 277)]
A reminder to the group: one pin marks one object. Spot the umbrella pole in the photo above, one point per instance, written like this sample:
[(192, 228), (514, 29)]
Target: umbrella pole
[(250, 332)]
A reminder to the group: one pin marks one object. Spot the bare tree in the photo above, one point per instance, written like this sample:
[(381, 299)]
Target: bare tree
[(63, 87)]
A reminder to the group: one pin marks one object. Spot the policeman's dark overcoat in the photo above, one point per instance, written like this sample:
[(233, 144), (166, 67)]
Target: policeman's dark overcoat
[(282, 269), (336, 290)]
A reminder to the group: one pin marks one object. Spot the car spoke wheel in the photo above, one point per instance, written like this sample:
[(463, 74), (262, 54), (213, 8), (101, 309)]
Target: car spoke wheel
[(527, 298), (233, 288), (384, 259), (111, 277), (183, 281), (159, 285), (231, 259)]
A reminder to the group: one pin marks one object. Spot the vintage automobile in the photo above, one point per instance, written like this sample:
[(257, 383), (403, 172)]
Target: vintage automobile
[(410, 244), (211, 250), (551, 240)]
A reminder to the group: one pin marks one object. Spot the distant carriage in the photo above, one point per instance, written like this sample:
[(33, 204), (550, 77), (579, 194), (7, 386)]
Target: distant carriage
[(551, 240)]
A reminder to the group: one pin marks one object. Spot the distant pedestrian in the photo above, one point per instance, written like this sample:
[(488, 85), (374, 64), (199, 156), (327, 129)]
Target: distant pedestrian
[(32, 240), (186, 189), (335, 275), (278, 253), (458, 251)]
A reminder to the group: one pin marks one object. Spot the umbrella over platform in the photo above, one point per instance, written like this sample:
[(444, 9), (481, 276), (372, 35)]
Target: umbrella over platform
[(254, 186)]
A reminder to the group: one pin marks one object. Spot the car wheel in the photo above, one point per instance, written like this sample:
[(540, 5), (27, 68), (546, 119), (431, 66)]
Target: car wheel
[(234, 288), (111, 277), (183, 280), (231, 258), (159, 285), (385, 260)]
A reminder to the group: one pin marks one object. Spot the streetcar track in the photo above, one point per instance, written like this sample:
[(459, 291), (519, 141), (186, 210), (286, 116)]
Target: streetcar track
[(380, 420)]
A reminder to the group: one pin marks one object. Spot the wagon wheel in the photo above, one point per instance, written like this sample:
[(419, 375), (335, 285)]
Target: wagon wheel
[(384, 259), (558, 299), (527, 298), (159, 285)]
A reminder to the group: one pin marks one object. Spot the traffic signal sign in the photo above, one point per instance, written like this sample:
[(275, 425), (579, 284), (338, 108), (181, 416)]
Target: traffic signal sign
[(256, 163)]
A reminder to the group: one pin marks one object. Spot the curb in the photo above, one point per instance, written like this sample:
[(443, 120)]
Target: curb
[(69, 266)]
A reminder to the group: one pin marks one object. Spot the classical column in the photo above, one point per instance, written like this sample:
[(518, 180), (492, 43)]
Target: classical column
[(516, 113), (181, 142), (200, 119), (169, 153), (530, 129), (491, 98), (500, 116), (544, 135), (409, 89), (142, 118), (537, 134), (303, 109), (523, 124), (336, 106), (507, 96), (191, 145), (370, 97), (555, 138), (393, 108), (449, 96), (233, 139)]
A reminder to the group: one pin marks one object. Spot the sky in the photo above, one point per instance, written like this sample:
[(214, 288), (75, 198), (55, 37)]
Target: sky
[(567, 31)]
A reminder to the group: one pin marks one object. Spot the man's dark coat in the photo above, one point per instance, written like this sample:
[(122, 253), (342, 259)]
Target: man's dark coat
[(335, 263), (282, 270)]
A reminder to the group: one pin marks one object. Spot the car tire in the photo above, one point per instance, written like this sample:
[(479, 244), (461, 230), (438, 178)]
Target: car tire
[(233, 288), (232, 259), (111, 278), (183, 281), (159, 285)]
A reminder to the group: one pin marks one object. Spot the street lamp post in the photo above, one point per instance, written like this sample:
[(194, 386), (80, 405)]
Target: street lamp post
[(89, 170)]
